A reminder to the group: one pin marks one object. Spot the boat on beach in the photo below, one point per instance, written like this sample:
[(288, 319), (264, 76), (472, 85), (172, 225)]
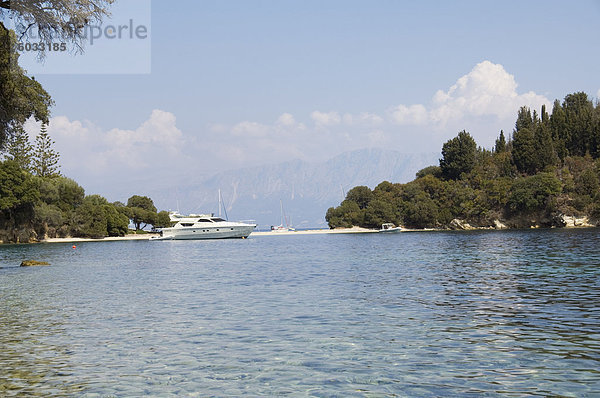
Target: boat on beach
[(203, 226), (389, 228)]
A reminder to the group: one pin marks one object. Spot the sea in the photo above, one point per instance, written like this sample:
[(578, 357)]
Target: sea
[(414, 314)]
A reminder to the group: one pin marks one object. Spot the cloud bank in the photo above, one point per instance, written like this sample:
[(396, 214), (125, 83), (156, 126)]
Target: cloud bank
[(483, 101)]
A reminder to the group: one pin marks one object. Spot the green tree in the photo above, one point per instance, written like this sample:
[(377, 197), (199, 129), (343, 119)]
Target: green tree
[(21, 97), (70, 194), (346, 215), (142, 211), (524, 119), (45, 158), (579, 114), (435, 171), (379, 212), (360, 195), (420, 211), (525, 150), (47, 219), (117, 224), (546, 155), (17, 188), (458, 156), (19, 149), (18, 195), (90, 218), (531, 194), (163, 220), (560, 132), (500, 146)]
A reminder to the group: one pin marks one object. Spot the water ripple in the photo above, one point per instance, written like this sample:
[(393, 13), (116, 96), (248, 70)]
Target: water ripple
[(507, 313)]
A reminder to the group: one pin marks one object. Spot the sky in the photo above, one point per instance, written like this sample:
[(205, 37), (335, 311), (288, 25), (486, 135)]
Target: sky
[(219, 85)]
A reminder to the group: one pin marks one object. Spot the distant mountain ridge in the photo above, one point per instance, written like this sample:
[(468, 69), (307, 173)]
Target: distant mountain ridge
[(306, 189)]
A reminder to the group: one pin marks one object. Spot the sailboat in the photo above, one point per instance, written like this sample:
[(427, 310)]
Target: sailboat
[(285, 225)]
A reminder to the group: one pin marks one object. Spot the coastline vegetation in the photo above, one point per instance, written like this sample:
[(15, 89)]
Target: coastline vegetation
[(36, 201), (546, 173)]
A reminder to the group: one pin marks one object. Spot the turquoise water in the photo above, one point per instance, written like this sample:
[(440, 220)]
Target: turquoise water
[(413, 314)]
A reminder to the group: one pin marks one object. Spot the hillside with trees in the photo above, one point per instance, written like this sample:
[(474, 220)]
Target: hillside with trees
[(36, 200), (546, 174)]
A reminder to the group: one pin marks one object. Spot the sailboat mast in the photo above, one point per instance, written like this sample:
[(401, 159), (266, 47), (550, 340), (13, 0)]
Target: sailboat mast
[(219, 203)]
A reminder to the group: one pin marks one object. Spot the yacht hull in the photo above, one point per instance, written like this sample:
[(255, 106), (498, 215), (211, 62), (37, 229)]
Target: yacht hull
[(195, 233)]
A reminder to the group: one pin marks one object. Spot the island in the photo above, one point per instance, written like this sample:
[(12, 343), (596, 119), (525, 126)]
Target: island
[(545, 174)]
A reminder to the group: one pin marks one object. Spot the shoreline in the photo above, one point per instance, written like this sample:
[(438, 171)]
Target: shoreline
[(353, 230)]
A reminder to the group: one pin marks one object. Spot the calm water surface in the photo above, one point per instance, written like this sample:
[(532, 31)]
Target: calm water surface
[(411, 314)]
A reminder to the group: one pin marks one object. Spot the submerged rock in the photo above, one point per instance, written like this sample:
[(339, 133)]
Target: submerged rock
[(33, 263)]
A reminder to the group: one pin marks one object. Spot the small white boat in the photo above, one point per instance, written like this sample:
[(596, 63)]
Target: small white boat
[(203, 226), (389, 228)]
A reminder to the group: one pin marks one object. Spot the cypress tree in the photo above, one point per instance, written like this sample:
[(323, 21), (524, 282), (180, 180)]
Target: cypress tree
[(524, 151), (560, 132), (524, 119), (500, 143), (578, 111), (546, 155)]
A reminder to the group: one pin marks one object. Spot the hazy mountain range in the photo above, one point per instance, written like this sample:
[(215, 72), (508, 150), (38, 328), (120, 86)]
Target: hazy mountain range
[(306, 189)]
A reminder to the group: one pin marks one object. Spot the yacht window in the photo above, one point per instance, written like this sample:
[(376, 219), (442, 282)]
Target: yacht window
[(185, 224), (203, 220), (217, 219)]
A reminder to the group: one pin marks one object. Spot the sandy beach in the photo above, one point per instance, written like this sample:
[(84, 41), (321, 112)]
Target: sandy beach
[(107, 239), (354, 230)]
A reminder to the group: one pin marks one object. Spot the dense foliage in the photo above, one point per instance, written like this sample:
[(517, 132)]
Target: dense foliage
[(37, 202), (21, 97), (549, 168)]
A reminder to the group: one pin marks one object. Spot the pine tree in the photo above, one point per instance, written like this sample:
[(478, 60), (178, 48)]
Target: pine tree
[(19, 149), (45, 158)]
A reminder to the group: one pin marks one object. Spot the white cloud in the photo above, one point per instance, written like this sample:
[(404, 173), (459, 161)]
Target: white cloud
[(157, 137), (413, 114), (486, 91), (483, 101), (286, 119), (250, 129), (87, 150), (326, 119), (362, 119), (598, 94)]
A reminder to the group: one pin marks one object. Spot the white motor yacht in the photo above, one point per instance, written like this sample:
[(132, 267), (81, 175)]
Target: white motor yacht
[(203, 226)]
